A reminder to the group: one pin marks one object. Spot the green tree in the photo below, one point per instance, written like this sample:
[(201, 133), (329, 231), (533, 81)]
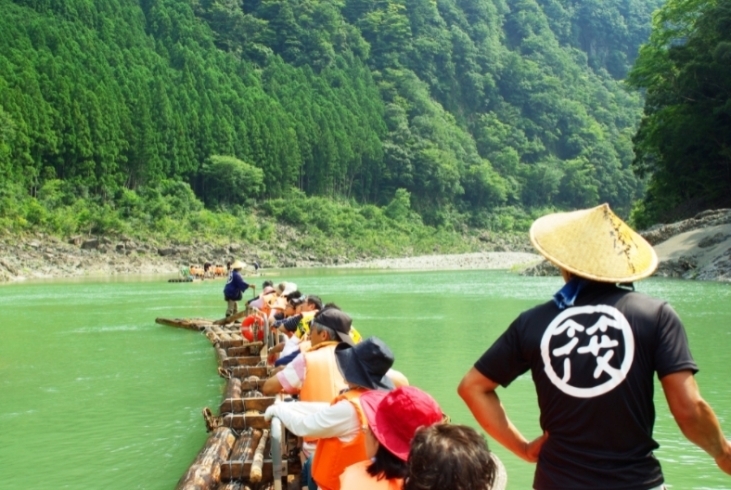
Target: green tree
[(399, 208), (684, 138), (228, 180)]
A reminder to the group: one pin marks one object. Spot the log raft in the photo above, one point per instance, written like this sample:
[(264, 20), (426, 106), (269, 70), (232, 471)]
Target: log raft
[(239, 454)]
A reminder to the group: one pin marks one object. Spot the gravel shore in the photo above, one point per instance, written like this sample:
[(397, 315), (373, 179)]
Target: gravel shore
[(469, 261), (696, 248)]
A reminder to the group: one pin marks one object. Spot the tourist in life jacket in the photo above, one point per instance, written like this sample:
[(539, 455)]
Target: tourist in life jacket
[(234, 289), (296, 327), (393, 419), (290, 348), (339, 426), (314, 373), (454, 457)]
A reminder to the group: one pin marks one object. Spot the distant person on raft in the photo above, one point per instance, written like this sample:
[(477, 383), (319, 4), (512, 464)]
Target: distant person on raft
[(234, 289)]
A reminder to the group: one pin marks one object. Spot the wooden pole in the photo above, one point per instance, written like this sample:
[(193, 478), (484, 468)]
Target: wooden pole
[(222, 356), (232, 318), (233, 485), (187, 323), (233, 388), (245, 445), (205, 472), (256, 466)]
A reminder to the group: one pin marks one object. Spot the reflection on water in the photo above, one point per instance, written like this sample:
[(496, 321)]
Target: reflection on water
[(94, 392)]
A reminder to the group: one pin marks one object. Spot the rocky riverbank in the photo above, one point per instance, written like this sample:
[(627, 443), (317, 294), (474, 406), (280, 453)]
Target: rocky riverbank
[(42, 256), (697, 248)]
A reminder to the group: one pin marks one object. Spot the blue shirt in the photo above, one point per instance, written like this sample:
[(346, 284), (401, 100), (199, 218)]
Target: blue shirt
[(290, 324), (235, 286)]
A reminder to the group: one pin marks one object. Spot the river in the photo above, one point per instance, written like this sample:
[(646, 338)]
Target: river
[(94, 393)]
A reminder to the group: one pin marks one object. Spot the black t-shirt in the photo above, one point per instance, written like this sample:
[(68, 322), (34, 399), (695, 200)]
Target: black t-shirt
[(593, 366)]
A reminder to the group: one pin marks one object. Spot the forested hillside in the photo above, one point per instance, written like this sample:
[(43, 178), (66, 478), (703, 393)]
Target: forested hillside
[(684, 140), (450, 112)]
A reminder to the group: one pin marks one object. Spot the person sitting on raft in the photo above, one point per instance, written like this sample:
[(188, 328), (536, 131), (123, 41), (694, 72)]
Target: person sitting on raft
[(260, 302), (453, 457), (338, 427), (393, 419), (235, 287), (314, 373), (290, 347), (305, 309), (296, 326), (304, 344)]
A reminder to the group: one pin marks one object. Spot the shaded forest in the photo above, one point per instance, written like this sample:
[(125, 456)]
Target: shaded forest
[(683, 143), (447, 113)]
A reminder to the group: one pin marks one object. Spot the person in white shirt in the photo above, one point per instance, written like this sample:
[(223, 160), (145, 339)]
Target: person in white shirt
[(338, 425)]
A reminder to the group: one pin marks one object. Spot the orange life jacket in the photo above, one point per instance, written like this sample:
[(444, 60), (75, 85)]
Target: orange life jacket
[(323, 380), (332, 455), (355, 477)]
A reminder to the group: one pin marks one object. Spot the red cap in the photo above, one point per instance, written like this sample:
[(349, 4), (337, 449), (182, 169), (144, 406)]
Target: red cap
[(395, 416)]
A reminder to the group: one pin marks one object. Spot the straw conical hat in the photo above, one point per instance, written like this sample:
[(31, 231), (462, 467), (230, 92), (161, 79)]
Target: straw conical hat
[(238, 265), (594, 244)]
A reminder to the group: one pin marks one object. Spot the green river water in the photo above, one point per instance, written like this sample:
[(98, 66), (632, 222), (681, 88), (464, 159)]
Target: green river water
[(94, 394)]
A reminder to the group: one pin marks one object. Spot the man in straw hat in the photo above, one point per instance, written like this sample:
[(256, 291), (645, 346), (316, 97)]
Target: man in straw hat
[(235, 287), (337, 425), (592, 352)]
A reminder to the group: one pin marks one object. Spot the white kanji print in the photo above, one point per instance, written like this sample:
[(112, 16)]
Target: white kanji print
[(572, 339)]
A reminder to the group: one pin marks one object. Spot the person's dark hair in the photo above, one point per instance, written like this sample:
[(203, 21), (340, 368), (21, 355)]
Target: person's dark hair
[(387, 465), (295, 302), (293, 295), (267, 284), (449, 457), (314, 300), (329, 306)]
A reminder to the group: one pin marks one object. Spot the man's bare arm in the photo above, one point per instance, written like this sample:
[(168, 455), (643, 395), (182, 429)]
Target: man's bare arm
[(478, 392), (271, 386), (695, 417)]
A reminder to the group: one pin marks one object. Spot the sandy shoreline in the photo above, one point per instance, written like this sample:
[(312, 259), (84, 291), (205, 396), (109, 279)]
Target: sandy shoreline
[(468, 261)]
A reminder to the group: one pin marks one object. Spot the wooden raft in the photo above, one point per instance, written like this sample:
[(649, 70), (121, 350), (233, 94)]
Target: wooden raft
[(240, 452)]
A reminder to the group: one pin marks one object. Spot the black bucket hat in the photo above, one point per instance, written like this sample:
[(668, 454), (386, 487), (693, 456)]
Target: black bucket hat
[(366, 363)]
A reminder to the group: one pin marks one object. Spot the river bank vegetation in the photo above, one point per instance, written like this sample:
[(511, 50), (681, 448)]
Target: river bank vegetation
[(383, 126)]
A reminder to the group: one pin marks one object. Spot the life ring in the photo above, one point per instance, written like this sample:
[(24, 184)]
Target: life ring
[(250, 323)]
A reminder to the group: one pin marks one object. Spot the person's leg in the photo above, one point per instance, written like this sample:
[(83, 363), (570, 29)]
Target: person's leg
[(230, 307), (306, 475)]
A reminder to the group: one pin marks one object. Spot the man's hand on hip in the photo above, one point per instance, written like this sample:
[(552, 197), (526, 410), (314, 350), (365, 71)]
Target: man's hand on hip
[(533, 448)]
